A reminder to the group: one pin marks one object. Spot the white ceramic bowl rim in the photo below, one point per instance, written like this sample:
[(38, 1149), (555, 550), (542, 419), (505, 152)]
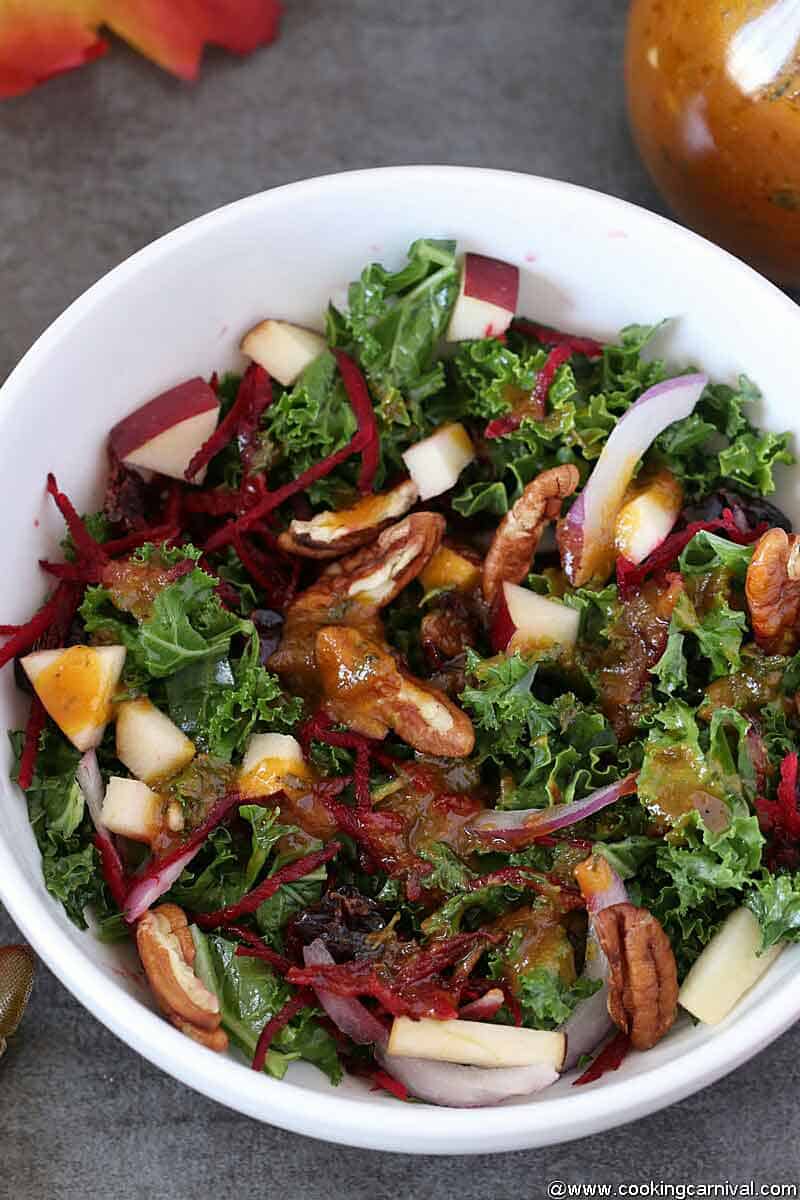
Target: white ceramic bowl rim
[(330, 1115)]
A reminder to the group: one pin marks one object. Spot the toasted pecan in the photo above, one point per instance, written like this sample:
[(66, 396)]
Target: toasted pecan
[(518, 534), (772, 588), (643, 978)]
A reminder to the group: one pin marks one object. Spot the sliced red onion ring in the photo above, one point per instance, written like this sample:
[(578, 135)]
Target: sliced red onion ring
[(350, 1015), (465, 1087), (90, 781), (586, 538), (521, 826), (160, 874), (590, 1023), (484, 1008)]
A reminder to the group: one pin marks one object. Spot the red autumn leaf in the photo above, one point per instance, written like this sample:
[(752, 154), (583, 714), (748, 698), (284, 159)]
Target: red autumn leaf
[(42, 38)]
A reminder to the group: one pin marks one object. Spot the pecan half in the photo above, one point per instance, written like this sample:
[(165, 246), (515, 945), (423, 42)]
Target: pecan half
[(643, 978), (772, 588), (167, 952), (331, 534), (352, 591), (366, 690), (518, 534)]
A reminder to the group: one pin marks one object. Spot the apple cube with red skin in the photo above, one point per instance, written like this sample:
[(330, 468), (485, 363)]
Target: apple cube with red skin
[(524, 620), (165, 434), (487, 299), (282, 349)]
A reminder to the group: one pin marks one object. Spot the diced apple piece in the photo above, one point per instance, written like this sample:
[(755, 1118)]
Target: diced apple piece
[(282, 349), (76, 686), (270, 762), (436, 462), (487, 299), (450, 569), (132, 809), (165, 434), (648, 517), (150, 745), (476, 1043), (727, 968), (524, 620)]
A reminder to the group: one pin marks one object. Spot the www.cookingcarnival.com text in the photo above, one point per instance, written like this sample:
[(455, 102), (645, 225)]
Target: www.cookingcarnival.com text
[(662, 1189)]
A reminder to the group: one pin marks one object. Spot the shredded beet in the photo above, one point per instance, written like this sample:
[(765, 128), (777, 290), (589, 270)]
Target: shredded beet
[(362, 978), (87, 549), (112, 869), (253, 396), (382, 1080), (442, 954), (537, 405), (363, 441), (157, 875), (30, 751), (268, 887), (360, 402), (780, 818), (630, 576), (166, 531), (273, 1027), (607, 1060), (275, 960), (554, 337), (320, 728), (264, 574), (57, 613)]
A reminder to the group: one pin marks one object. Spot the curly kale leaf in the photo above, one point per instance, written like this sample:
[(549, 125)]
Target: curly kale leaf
[(219, 702), (62, 827), (187, 624), (775, 903)]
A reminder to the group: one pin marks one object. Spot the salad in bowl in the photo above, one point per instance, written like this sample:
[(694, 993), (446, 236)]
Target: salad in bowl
[(420, 702)]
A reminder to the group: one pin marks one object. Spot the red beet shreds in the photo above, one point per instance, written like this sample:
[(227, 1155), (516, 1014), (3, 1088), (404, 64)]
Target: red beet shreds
[(360, 401), (365, 440), (554, 337), (780, 818), (273, 1027), (631, 576), (254, 395), (30, 751), (268, 887), (608, 1059), (112, 869), (56, 613)]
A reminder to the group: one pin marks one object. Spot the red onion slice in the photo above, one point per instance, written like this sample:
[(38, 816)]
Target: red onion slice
[(590, 1023), (465, 1087), (160, 874), (586, 537), (350, 1015), (521, 826), (90, 781)]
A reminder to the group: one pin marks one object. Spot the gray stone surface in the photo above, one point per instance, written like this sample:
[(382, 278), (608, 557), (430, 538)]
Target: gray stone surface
[(95, 165)]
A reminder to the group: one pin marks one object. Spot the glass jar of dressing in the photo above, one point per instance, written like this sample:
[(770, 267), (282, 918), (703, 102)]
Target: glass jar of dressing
[(714, 101)]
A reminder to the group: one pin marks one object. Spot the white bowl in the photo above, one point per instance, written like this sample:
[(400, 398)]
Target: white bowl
[(590, 263)]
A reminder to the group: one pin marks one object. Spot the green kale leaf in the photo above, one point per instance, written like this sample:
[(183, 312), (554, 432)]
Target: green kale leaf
[(219, 702), (775, 903), (250, 994)]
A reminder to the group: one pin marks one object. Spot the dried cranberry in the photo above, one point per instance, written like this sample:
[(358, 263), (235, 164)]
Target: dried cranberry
[(749, 511), (343, 919)]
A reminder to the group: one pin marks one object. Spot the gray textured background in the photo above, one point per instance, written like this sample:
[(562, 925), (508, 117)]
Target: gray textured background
[(95, 165)]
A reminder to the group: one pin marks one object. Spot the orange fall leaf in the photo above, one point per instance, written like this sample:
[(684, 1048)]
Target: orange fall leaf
[(42, 38)]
